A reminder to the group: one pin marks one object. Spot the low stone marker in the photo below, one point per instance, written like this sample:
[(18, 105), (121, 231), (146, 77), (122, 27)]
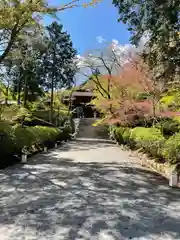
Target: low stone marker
[(173, 178), (24, 158), (45, 149), (56, 145)]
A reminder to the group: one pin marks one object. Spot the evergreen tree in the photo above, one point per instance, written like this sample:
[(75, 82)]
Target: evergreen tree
[(160, 21), (58, 60)]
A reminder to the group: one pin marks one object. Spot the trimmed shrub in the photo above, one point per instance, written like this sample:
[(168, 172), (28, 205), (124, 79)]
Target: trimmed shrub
[(168, 126), (7, 139), (149, 139), (126, 136), (121, 134), (17, 139), (171, 149), (118, 134), (26, 137), (66, 130)]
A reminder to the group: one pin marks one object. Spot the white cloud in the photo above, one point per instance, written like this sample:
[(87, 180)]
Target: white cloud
[(100, 39), (78, 56), (122, 53), (115, 42)]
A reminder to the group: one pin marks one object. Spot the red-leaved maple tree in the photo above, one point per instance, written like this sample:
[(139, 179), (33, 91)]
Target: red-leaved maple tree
[(134, 95)]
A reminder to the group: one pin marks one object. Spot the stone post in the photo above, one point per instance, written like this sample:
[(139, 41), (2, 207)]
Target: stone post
[(45, 149), (95, 114), (173, 178), (24, 158)]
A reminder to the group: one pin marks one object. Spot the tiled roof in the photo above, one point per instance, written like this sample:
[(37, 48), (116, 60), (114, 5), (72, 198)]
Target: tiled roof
[(88, 94), (79, 94)]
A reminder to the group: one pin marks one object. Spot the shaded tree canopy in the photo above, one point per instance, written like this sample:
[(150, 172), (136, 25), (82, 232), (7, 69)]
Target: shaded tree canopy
[(159, 21)]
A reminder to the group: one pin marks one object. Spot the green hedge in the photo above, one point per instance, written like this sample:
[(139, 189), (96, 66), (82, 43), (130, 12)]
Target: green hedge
[(171, 149), (168, 126), (161, 142), (27, 137), (121, 134), (17, 139), (150, 140), (7, 139)]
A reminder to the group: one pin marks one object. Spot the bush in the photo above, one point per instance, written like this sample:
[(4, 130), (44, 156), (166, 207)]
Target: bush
[(171, 149), (7, 139), (27, 137), (126, 136), (57, 118), (17, 139), (121, 134), (168, 126), (149, 139)]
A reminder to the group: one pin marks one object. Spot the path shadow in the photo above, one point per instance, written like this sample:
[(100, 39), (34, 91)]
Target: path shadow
[(57, 198), (84, 145)]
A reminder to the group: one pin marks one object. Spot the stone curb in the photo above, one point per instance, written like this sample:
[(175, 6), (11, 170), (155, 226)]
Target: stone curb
[(163, 169)]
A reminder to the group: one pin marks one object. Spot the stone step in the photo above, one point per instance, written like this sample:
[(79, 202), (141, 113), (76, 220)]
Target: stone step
[(85, 129), (99, 140)]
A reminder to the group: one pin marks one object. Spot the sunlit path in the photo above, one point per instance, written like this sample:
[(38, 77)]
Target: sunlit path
[(86, 191)]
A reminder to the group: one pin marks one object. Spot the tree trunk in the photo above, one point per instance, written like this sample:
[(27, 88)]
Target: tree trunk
[(52, 99), (52, 86), (19, 94), (14, 33), (154, 111), (109, 96), (70, 103), (25, 92), (7, 94)]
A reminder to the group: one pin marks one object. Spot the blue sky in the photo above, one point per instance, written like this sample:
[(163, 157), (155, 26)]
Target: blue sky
[(86, 24)]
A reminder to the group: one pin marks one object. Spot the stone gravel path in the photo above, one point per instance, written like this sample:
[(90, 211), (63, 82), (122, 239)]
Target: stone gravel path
[(86, 191)]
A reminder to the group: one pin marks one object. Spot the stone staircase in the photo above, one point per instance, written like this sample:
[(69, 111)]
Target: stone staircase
[(85, 130)]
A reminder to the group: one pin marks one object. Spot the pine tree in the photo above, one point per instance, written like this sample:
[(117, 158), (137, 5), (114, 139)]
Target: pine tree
[(58, 60)]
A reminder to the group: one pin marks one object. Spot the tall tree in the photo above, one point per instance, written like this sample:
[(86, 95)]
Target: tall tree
[(58, 60), (159, 21), (107, 61), (26, 60), (17, 15)]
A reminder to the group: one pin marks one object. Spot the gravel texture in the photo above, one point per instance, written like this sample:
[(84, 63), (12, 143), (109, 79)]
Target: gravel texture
[(86, 191)]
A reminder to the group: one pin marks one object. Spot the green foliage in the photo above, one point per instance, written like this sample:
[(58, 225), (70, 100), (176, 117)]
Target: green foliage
[(22, 115), (149, 139), (127, 135), (160, 21), (17, 139), (146, 134), (27, 137), (143, 96), (171, 149), (33, 69), (19, 18), (168, 100), (7, 139), (168, 126), (58, 59), (121, 134), (58, 117), (15, 113), (171, 97), (65, 133)]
